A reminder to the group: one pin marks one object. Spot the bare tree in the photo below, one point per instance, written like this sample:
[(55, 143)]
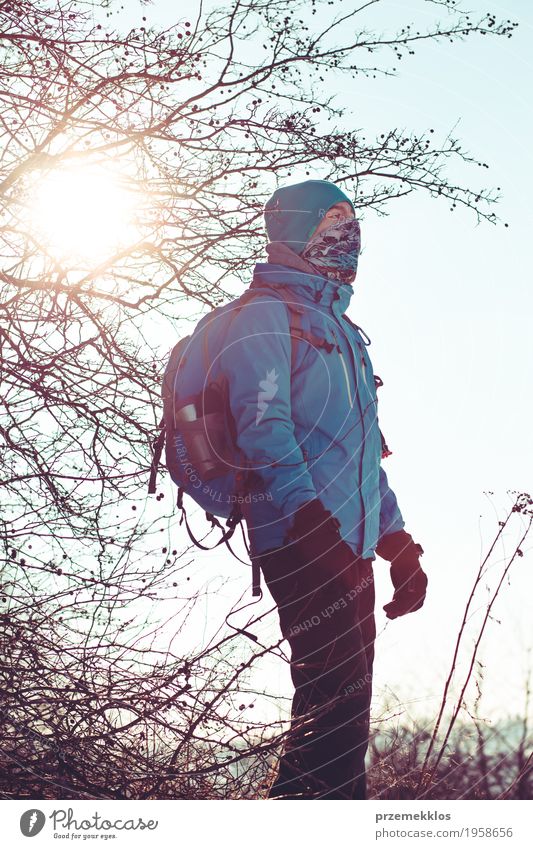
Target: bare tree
[(522, 506), (459, 754)]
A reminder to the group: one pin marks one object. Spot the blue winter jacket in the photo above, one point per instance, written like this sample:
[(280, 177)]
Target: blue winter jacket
[(315, 435)]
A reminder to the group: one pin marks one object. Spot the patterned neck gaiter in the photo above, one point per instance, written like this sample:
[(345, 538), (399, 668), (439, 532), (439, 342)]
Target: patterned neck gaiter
[(335, 251)]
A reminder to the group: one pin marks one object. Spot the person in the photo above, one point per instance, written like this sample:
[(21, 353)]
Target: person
[(323, 507)]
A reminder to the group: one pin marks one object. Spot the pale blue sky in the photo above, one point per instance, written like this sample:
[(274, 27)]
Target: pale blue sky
[(448, 306)]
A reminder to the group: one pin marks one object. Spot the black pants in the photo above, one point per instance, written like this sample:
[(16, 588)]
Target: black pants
[(329, 624)]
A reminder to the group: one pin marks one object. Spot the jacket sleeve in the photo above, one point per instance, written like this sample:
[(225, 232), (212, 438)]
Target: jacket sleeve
[(390, 518), (256, 359)]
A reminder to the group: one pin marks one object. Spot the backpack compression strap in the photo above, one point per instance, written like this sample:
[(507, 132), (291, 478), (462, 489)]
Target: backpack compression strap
[(231, 523)]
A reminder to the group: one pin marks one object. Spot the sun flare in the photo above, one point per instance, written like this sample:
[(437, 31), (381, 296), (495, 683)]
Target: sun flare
[(84, 214)]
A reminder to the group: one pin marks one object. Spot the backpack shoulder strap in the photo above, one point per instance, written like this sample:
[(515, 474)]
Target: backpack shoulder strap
[(294, 308)]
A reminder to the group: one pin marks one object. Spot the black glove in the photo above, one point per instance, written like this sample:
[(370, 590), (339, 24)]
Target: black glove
[(408, 578), (315, 532)]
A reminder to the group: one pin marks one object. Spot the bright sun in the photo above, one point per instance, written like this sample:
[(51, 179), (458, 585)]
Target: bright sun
[(84, 214)]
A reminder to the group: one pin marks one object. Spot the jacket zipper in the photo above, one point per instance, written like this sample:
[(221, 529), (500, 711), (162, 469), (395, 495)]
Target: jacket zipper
[(345, 370), (353, 359), (363, 364)]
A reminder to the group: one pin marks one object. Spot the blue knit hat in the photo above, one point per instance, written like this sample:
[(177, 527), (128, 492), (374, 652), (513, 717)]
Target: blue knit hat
[(294, 212)]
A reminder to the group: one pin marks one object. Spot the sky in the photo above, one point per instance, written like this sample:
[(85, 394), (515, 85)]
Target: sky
[(448, 306)]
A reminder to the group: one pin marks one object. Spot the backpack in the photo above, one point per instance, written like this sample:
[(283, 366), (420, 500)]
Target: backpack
[(197, 430)]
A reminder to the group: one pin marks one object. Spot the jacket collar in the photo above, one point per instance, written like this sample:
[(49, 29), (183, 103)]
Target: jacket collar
[(311, 288)]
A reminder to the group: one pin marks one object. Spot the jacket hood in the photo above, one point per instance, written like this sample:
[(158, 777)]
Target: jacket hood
[(294, 212)]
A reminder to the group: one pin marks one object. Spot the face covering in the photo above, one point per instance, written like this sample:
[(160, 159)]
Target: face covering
[(335, 251)]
